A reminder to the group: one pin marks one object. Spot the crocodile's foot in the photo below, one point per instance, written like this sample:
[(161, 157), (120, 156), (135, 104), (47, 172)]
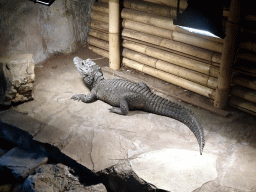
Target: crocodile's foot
[(77, 97), (118, 111)]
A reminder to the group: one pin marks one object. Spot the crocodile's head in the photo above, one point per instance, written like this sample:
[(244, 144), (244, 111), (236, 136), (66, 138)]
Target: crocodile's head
[(90, 72)]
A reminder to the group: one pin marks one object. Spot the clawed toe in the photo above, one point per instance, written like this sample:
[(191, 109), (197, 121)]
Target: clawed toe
[(111, 110), (75, 97)]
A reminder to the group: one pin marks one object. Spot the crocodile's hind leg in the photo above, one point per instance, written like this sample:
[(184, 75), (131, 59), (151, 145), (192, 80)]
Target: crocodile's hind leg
[(133, 100)]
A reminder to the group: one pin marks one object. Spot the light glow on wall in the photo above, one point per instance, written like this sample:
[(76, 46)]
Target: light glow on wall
[(198, 31)]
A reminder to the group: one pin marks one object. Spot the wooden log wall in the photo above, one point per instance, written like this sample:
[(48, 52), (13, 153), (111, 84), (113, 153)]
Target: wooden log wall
[(153, 45), (243, 92)]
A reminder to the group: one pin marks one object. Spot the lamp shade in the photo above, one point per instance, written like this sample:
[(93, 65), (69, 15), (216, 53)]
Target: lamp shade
[(204, 15)]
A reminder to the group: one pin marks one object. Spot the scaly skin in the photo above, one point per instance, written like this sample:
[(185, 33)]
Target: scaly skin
[(125, 95)]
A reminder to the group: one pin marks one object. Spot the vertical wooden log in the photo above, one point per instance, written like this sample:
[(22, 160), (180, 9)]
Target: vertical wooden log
[(228, 55), (114, 34)]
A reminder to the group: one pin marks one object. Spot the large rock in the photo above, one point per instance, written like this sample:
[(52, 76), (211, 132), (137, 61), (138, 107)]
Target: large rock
[(55, 178), (21, 163), (16, 78)]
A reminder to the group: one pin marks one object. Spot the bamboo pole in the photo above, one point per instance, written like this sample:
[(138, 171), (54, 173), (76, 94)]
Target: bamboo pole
[(114, 35), (228, 55), (98, 43), (183, 5), (243, 105), (168, 34), (173, 58), (171, 3), (99, 34), (189, 85), (103, 1), (98, 16), (161, 22), (100, 7), (151, 8), (245, 82), (147, 29), (187, 74), (251, 46), (250, 17), (206, 44), (246, 56), (99, 25), (173, 45), (245, 67), (99, 51), (170, 68), (144, 59), (155, 20), (132, 64), (245, 94)]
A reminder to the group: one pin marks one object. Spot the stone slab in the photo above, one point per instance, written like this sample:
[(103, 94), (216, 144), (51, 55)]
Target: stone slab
[(176, 170), (21, 163), (79, 147), (110, 153), (241, 169)]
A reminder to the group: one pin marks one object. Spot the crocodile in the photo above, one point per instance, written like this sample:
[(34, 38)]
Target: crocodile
[(126, 95)]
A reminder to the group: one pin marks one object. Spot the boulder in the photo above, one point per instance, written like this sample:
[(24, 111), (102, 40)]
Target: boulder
[(16, 78), (55, 178), (20, 163)]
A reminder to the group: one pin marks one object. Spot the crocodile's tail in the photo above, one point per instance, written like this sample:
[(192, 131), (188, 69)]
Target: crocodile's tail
[(167, 108)]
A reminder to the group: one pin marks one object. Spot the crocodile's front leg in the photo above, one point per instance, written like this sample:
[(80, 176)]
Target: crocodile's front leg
[(89, 98)]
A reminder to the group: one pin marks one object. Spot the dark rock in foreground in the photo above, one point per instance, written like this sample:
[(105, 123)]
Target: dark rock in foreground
[(20, 163), (53, 178)]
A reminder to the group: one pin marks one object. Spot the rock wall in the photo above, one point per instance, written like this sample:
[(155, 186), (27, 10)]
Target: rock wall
[(40, 30)]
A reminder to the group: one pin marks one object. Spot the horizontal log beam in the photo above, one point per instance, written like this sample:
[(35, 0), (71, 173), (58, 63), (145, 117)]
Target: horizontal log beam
[(171, 68), (99, 51), (173, 45), (100, 7), (189, 85), (173, 58), (243, 105), (245, 82), (94, 24)]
